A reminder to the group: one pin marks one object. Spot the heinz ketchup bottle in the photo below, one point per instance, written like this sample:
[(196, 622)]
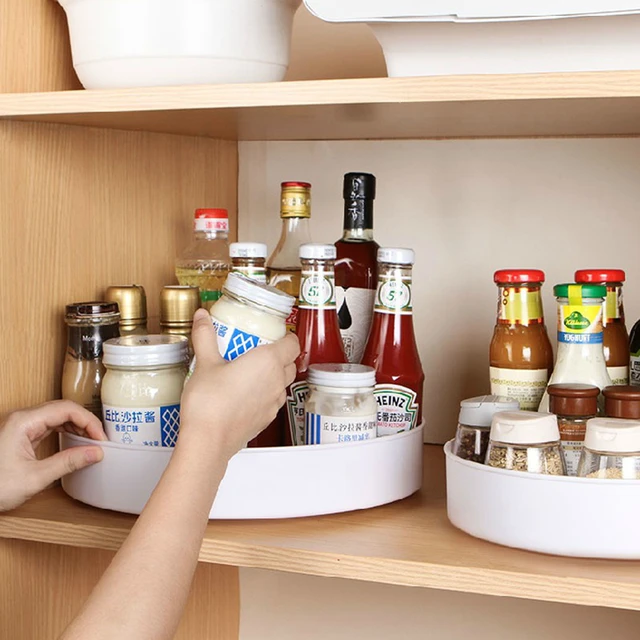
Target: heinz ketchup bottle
[(317, 329), (391, 349)]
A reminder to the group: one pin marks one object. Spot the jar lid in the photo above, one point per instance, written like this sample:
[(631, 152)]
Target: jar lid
[(518, 276), (178, 304), (341, 375), (573, 399), (392, 255), (608, 435), (585, 291), (145, 351), (92, 311), (524, 427), (261, 294), (478, 411), (622, 402), (131, 299), (600, 276), (207, 214), (247, 250), (315, 251), (295, 185)]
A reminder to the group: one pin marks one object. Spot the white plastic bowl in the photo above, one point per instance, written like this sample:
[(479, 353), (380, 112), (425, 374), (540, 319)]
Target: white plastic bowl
[(136, 43), (279, 482), (568, 516)]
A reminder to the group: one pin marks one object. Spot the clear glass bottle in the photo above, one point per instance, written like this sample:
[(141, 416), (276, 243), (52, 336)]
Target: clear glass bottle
[(574, 405), (525, 441), (611, 450), (132, 303), (205, 262), (248, 258), (283, 267), (474, 425), (178, 305), (580, 357)]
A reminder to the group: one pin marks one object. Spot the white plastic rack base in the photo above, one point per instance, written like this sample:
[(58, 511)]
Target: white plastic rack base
[(278, 482)]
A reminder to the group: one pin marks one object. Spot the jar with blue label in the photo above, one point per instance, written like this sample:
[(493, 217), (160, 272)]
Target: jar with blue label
[(341, 406), (142, 387), (249, 314)]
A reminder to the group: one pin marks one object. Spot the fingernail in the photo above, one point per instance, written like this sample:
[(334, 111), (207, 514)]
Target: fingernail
[(94, 454)]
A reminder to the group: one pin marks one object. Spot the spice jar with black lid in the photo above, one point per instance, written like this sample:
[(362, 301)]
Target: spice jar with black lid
[(622, 402), (573, 404), (474, 425), (525, 441)]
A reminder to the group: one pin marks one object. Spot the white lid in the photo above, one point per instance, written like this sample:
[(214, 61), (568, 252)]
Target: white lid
[(261, 294), (341, 375), (524, 427), (315, 251), (394, 255), (478, 411), (614, 435), (247, 250), (145, 351)]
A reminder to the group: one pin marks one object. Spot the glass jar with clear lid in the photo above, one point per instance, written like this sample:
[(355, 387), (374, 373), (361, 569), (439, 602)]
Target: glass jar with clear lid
[(611, 450), (341, 406), (526, 441), (474, 425)]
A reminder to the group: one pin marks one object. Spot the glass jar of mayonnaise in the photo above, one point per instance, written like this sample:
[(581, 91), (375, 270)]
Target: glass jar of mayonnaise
[(142, 387), (249, 314)]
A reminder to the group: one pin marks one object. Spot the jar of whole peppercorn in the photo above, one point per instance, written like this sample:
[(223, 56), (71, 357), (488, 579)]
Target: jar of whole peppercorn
[(474, 425)]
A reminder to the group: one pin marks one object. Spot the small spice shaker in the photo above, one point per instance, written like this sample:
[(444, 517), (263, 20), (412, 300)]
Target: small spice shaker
[(611, 449), (474, 425), (525, 441), (622, 401), (573, 404), (132, 303)]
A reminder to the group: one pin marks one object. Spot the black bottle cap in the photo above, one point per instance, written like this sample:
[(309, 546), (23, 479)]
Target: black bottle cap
[(359, 186)]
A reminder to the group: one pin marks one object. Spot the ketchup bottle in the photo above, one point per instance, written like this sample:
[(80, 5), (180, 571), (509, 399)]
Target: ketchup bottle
[(317, 329), (391, 349)]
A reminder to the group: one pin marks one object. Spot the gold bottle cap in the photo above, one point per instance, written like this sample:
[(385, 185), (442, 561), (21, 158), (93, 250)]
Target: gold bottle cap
[(132, 302), (178, 304), (295, 200)]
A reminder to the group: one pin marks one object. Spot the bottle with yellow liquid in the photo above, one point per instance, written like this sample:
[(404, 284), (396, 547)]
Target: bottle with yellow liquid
[(205, 262), (283, 267)]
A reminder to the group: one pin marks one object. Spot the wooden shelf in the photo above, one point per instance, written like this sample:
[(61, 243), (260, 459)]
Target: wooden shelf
[(561, 104), (407, 543)]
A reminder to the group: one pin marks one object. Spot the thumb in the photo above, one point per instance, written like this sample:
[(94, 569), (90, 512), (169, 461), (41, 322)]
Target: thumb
[(67, 461), (204, 338)]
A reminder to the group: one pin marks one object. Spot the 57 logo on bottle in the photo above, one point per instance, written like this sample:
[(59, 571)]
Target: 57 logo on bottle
[(317, 290)]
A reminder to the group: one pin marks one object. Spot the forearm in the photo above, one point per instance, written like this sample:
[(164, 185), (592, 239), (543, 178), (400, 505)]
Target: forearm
[(144, 591)]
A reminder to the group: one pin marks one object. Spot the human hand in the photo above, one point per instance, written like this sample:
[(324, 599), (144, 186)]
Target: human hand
[(226, 404), (22, 475)]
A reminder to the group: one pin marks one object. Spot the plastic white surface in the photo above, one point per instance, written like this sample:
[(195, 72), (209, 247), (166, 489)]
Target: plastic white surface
[(561, 515), (136, 43), (461, 37), (283, 482)]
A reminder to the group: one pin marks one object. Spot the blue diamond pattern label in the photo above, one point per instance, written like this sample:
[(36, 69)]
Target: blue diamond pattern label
[(148, 426), (321, 429), (232, 342)]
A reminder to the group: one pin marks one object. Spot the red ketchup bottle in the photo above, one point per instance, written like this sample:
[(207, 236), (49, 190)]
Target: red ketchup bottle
[(391, 349), (317, 329)]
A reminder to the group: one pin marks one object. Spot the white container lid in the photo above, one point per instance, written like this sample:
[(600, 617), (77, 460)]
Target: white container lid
[(313, 251), (261, 294), (343, 376), (247, 250), (612, 435), (479, 411), (396, 256), (145, 351), (524, 427)]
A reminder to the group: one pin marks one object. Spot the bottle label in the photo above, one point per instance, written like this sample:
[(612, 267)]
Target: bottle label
[(296, 397), (519, 305), (394, 294), (397, 409), (211, 224), (613, 306), (355, 313), (321, 429), (580, 324), (317, 289), (148, 426), (634, 369), (85, 343), (618, 375), (524, 385), (255, 273), (572, 449), (232, 342), (292, 320)]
